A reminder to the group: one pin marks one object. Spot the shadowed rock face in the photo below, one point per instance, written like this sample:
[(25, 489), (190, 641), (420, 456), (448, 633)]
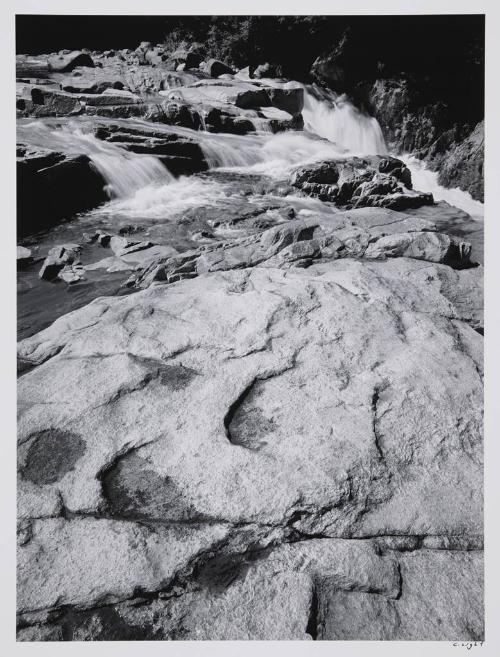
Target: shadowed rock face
[(455, 150), (50, 192)]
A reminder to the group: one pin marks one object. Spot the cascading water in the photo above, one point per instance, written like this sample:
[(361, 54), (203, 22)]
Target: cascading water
[(426, 180), (335, 118), (125, 173), (334, 128)]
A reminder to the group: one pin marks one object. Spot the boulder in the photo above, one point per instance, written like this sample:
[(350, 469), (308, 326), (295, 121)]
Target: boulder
[(433, 247), (309, 444), (252, 98), (47, 194), (267, 70), (72, 274), (82, 87), (122, 246), (68, 61), (325, 173), (396, 168), (214, 68), (371, 181), (24, 257), (110, 97), (188, 58), (51, 268), (52, 103), (66, 252), (288, 100), (245, 73)]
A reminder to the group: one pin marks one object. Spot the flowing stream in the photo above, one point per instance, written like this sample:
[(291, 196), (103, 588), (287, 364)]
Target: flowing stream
[(142, 192), (333, 128), (125, 173)]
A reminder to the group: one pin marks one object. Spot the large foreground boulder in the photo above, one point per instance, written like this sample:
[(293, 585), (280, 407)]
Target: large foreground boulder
[(308, 456)]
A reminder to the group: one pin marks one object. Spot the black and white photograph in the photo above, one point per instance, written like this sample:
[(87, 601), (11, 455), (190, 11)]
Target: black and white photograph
[(250, 262)]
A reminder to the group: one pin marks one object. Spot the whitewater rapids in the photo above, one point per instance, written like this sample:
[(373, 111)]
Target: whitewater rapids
[(141, 185)]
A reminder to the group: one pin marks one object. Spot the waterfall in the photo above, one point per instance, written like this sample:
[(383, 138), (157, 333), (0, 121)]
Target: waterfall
[(335, 118), (124, 172), (225, 150)]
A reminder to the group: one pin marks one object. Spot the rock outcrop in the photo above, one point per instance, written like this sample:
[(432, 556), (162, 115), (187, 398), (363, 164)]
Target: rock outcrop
[(328, 475), (179, 90), (52, 186), (270, 428), (360, 182)]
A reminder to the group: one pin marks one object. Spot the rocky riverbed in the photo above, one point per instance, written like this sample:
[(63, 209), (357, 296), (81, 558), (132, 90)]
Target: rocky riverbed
[(250, 362)]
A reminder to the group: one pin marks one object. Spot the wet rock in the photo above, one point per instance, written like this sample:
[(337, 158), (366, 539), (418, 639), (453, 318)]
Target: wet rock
[(288, 100), (401, 200), (128, 230), (252, 98), (322, 172), (397, 169), (48, 192), (181, 155), (111, 97), (51, 268), (361, 182)]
